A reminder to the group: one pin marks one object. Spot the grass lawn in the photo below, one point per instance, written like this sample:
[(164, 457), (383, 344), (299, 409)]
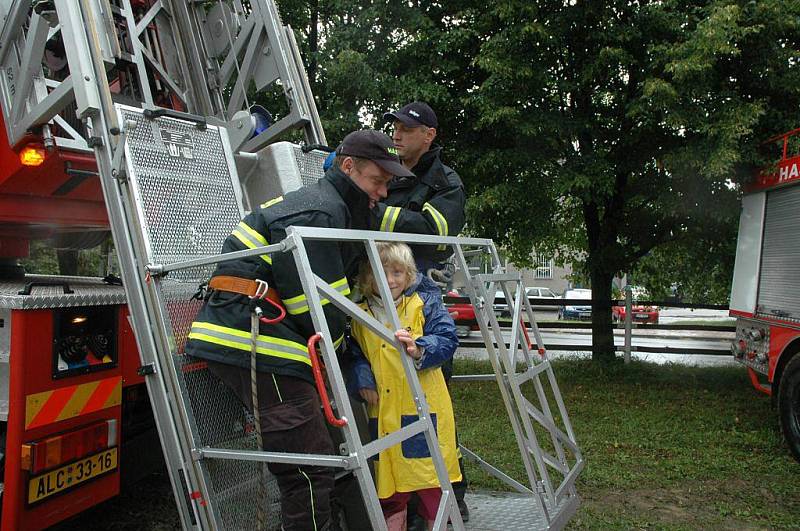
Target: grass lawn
[(665, 446)]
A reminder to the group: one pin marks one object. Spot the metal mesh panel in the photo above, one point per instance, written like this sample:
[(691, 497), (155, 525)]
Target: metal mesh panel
[(223, 422), (310, 165), (186, 199), (187, 204)]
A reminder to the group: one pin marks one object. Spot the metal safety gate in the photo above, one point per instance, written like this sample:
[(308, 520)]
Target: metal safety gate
[(178, 211)]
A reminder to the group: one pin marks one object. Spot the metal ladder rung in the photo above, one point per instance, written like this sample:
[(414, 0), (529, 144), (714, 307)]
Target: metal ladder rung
[(382, 443), (529, 374)]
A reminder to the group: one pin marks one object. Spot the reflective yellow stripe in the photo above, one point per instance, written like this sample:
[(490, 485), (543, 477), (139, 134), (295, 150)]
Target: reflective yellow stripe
[(390, 216), (251, 239), (439, 219), (297, 305), (252, 232), (246, 347), (338, 342), (394, 219), (271, 202), (240, 340)]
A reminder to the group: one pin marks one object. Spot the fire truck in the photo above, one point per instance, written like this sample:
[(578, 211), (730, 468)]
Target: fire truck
[(75, 416), (765, 296), (135, 116)]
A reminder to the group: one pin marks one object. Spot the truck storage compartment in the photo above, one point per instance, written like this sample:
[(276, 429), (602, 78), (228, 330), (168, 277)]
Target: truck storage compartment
[(779, 282)]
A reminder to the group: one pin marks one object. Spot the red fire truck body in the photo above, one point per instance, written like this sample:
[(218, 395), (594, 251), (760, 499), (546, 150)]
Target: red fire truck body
[(765, 296), (76, 419), (75, 410)]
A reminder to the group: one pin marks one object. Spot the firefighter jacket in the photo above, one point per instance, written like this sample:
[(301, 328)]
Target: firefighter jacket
[(221, 331), (432, 203), (376, 364)]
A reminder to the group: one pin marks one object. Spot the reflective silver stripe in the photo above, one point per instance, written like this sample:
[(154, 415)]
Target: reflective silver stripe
[(271, 346), (389, 218), (439, 219), (299, 304), (310, 495), (395, 216), (251, 239)]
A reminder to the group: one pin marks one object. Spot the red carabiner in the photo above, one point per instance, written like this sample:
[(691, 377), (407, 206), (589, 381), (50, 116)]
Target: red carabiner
[(281, 314), (323, 393)]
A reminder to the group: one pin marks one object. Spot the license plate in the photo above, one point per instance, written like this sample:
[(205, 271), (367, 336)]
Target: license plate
[(71, 475), (642, 316)]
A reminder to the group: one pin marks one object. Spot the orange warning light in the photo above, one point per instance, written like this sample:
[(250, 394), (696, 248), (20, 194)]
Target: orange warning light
[(32, 156)]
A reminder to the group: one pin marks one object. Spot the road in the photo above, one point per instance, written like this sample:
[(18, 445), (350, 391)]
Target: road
[(677, 339)]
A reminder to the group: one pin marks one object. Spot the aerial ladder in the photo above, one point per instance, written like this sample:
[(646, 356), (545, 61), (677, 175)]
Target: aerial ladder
[(150, 100)]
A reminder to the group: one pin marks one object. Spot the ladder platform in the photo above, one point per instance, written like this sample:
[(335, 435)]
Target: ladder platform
[(510, 511)]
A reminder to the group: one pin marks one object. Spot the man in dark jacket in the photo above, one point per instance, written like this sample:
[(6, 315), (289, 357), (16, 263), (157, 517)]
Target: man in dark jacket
[(288, 404), (432, 200)]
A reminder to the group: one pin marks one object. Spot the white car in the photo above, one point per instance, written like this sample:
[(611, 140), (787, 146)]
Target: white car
[(541, 293), (500, 305)]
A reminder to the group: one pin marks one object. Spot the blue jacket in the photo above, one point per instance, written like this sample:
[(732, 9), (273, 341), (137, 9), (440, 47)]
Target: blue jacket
[(439, 339)]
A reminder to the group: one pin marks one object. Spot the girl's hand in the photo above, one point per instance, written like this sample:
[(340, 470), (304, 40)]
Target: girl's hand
[(408, 342), (369, 395)]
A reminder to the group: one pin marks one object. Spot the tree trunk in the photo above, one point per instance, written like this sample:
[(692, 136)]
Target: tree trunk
[(67, 261), (313, 43), (602, 327)]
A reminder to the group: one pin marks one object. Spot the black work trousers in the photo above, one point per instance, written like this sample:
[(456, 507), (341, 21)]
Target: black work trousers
[(291, 421)]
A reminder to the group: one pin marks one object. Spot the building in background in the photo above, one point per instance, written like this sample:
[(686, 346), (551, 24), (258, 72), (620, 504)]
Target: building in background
[(545, 274)]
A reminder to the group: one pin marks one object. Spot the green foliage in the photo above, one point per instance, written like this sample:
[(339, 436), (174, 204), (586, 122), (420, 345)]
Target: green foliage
[(656, 438), (598, 130), (44, 260)]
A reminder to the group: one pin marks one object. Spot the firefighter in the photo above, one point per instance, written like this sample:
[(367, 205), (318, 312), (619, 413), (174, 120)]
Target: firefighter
[(430, 202), (287, 401)]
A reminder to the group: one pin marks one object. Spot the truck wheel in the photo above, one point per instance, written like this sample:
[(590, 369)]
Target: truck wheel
[(789, 405)]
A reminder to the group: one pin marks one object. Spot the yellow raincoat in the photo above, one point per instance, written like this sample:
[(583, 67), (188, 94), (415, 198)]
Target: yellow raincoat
[(407, 466)]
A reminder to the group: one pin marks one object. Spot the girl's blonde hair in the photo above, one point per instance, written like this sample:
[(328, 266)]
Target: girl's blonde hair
[(391, 254)]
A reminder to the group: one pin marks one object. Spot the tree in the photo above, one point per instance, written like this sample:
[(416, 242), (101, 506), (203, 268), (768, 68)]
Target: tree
[(372, 57), (628, 120), (604, 130)]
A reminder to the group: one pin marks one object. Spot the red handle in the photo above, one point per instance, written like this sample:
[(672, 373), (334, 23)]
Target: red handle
[(323, 393), (528, 339), (281, 312)]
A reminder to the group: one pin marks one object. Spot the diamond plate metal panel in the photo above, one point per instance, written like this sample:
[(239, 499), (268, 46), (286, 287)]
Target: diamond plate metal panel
[(88, 291), (5, 356), (5, 334), (497, 511)]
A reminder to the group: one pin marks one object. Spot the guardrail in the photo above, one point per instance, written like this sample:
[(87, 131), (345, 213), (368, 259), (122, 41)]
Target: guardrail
[(628, 325)]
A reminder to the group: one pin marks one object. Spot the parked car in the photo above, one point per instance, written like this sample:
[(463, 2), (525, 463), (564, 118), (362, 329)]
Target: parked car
[(579, 311), (500, 305), (640, 313), (463, 314), (535, 292)]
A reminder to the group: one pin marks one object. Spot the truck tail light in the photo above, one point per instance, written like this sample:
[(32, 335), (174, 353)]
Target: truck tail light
[(71, 446), (32, 156)]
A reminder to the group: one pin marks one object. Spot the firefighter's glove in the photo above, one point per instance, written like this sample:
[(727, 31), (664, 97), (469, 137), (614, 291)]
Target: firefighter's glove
[(440, 277)]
